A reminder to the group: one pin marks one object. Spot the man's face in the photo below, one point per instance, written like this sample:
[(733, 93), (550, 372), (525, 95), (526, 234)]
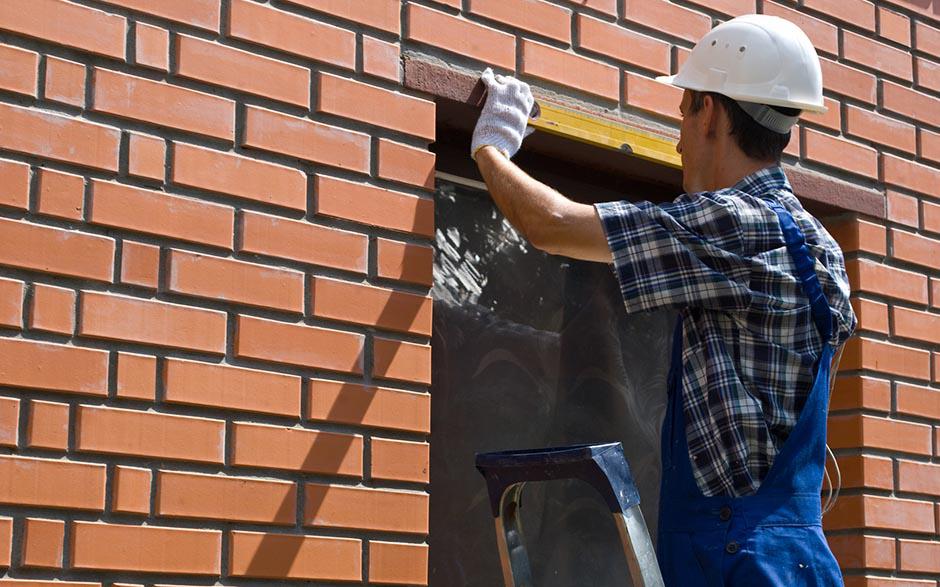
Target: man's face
[(692, 146)]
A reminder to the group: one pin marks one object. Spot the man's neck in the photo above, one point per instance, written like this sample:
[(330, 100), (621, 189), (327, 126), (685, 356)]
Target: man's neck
[(731, 170)]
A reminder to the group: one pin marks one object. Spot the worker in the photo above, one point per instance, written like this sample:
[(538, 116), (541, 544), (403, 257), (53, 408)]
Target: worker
[(761, 293)]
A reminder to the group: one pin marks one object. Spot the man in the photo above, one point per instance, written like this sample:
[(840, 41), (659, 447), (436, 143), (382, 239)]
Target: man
[(762, 296)]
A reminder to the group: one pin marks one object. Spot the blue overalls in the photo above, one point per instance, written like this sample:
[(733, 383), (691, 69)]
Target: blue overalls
[(774, 536)]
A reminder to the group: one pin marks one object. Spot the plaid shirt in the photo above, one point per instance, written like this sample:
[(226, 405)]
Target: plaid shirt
[(749, 341)]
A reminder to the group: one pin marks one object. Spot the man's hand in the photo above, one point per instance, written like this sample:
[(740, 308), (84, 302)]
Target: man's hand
[(502, 123)]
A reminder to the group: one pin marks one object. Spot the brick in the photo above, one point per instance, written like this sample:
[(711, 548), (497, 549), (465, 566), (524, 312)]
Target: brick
[(296, 449), (927, 38), (233, 388), (52, 310), (380, 14), (916, 477), (881, 129), (824, 35), (28, 583), (303, 242), (864, 471), (909, 174), (238, 499), (884, 513), (461, 37), (916, 325), (240, 70), (858, 12), (48, 425), (914, 248), (136, 377), (886, 358), (868, 276), (859, 431), (406, 164), (11, 303), (43, 483), (894, 26), (854, 234), (152, 322), (928, 74), (405, 261), (919, 556), (381, 59), (931, 217), (290, 33), (848, 81), (841, 154), (42, 543), (6, 541), (375, 206), (665, 17), (152, 46), (336, 506), (291, 556), (239, 176), (921, 107), (404, 361), (929, 145), (131, 490), (53, 136), (19, 70), (9, 422), (858, 551), (162, 104), (140, 264), (60, 194), (651, 96), (918, 401), (371, 306), (831, 119), (568, 69), (146, 156), (349, 403), (534, 16), (234, 281), (794, 145), (40, 365), (65, 81), (149, 434), (65, 23), (606, 6), (162, 214), (872, 316), (145, 549), (402, 564), (857, 392), (902, 208), (400, 460), (14, 184), (296, 344), (306, 139), (377, 106), (623, 45), (883, 58), (198, 13)]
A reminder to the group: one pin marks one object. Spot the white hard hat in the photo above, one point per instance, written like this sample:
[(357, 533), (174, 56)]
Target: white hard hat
[(756, 59)]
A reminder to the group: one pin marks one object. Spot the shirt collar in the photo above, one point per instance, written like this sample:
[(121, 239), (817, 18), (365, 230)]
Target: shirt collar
[(765, 180)]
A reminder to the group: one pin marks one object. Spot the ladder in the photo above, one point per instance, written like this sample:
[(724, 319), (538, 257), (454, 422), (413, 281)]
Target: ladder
[(603, 466)]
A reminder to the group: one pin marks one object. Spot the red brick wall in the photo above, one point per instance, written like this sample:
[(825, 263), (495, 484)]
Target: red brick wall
[(215, 245)]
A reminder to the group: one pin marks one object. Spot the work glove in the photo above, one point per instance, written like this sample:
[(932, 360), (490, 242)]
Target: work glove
[(502, 123)]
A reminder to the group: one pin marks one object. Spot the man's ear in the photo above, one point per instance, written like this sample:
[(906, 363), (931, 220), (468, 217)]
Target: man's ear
[(711, 115)]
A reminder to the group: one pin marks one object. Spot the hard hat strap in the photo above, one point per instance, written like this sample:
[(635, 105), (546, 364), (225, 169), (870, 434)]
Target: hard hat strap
[(768, 117)]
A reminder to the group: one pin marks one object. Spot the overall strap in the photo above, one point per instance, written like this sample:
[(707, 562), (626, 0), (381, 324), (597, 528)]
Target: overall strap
[(796, 246)]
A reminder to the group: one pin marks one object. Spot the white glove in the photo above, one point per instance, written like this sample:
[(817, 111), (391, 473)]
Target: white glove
[(502, 123)]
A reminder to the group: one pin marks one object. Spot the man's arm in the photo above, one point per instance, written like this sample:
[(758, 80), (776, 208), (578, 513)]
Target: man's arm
[(548, 220)]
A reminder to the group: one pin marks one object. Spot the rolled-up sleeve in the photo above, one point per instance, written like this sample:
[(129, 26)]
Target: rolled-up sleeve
[(689, 252)]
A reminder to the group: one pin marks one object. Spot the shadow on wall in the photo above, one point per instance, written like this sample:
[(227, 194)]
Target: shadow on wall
[(275, 557)]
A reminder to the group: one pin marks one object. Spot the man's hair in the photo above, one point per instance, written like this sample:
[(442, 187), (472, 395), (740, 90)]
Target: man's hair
[(753, 139)]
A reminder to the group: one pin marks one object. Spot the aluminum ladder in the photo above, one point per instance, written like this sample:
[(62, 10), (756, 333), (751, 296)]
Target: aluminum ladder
[(603, 466)]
